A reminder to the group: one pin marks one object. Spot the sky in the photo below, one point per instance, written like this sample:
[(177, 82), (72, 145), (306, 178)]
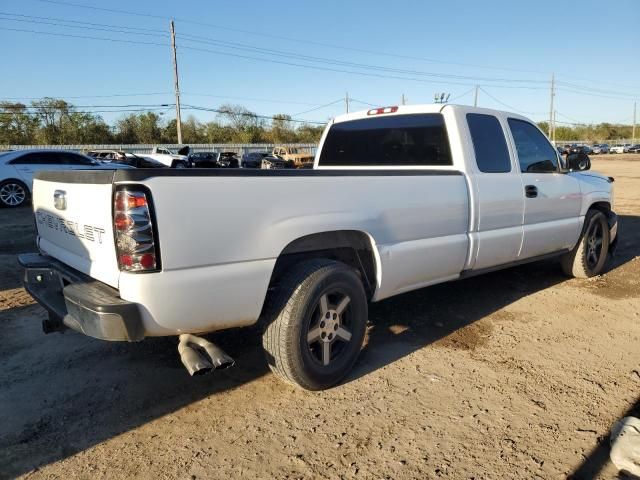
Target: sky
[(301, 58)]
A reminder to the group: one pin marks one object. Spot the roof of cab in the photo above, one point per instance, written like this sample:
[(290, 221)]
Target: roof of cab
[(413, 109)]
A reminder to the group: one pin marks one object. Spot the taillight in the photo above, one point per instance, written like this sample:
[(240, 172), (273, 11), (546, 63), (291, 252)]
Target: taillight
[(133, 227)]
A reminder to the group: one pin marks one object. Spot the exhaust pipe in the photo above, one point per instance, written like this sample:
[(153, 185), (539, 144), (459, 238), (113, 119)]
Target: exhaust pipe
[(200, 356)]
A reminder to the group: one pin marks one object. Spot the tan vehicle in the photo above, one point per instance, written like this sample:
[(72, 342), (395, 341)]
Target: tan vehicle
[(294, 156)]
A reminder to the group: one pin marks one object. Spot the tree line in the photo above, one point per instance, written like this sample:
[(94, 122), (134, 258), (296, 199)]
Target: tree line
[(52, 121), (601, 132)]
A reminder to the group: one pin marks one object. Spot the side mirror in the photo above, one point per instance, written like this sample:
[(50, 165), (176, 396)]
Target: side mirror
[(578, 161)]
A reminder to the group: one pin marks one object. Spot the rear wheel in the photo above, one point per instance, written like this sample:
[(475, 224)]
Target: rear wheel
[(589, 256), (13, 193), (316, 322)]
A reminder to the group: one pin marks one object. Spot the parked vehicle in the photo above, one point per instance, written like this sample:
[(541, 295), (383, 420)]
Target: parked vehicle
[(585, 149), (214, 160), (293, 156), (18, 167), (163, 155), (634, 148), (600, 148), (125, 158), (262, 160), (620, 148), (399, 198)]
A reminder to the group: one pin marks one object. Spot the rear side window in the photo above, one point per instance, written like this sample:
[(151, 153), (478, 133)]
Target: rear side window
[(535, 153), (489, 144), (399, 140), (36, 158)]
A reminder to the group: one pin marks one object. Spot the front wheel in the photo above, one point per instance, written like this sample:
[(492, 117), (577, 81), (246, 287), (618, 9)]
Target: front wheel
[(589, 256), (316, 320)]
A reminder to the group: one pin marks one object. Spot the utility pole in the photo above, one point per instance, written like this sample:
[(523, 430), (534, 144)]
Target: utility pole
[(553, 94), (633, 131), (177, 85), (346, 101), (553, 130), (475, 97), (403, 101)]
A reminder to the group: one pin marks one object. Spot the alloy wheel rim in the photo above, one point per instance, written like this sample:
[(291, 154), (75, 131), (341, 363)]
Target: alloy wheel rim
[(12, 194), (330, 328), (594, 244)]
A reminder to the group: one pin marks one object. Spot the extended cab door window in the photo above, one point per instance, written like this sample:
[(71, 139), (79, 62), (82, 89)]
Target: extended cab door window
[(498, 199), (489, 144), (395, 140), (535, 153)]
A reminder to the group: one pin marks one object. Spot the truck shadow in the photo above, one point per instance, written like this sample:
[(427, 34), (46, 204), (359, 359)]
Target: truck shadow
[(409, 322), (61, 394)]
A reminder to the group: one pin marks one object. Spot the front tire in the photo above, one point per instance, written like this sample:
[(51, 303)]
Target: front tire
[(589, 256), (13, 194), (315, 324)]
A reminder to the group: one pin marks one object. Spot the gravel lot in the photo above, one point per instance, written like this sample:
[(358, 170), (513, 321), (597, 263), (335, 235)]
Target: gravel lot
[(516, 374)]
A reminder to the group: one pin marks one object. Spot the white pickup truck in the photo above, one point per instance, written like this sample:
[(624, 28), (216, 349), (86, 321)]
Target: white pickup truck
[(169, 158), (399, 198)]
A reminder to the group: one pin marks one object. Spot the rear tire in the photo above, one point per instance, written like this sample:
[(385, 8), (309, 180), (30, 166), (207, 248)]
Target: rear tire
[(589, 256), (315, 324), (13, 194)]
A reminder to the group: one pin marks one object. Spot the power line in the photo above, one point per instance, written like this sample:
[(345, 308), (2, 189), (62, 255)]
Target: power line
[(509, 106), (247, 47), (88, 96), (281, 62), (463, 94), (159, 105), (248, 114), (94, 26), (266, 51), (64, 20), (311, 42), (252, 99), (290, 39), (363, 103), (86, 37), (317, 108)]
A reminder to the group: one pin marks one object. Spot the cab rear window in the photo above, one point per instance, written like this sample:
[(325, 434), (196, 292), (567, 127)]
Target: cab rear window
[(397, 140)]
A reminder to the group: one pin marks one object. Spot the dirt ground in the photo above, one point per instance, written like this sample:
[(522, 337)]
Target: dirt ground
[(515, 374)]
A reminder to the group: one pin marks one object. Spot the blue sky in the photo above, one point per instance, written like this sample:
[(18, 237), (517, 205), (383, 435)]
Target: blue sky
[(592, 46)]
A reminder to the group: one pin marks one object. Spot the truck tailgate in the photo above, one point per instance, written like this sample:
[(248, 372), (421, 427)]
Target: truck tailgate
[(73, 216)]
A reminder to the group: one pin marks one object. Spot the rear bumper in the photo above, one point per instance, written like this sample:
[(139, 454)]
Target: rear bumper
[(79, 302)]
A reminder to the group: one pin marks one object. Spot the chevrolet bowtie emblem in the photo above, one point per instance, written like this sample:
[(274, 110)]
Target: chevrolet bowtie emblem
[(60, 199)]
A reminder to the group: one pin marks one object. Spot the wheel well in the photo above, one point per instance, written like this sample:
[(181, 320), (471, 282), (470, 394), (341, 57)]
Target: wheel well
[(352, 247), (17, 180), (604, 207)]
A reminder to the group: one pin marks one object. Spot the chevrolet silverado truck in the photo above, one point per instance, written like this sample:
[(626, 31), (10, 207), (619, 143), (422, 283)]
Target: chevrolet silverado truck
[(399, 198)]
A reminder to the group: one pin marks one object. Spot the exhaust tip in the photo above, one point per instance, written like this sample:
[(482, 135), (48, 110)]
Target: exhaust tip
[(199, 356)]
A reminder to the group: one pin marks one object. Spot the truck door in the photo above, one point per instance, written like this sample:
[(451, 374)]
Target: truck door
[(498, 199), (552, 199)]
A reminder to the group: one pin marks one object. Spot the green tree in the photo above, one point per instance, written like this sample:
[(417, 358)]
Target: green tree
[(17, 125)]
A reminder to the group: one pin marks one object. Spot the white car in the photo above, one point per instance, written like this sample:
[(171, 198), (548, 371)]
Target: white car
[(399, 198), (620, 148), (18, 167)]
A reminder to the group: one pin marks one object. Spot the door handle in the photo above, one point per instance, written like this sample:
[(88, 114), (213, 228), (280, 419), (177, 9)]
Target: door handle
[(531, 191)]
